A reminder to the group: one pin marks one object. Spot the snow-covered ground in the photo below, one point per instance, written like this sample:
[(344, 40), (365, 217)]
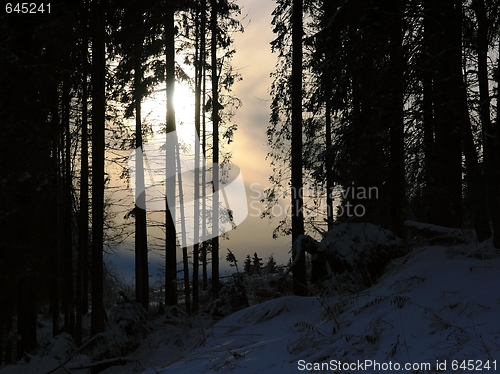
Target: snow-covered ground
[(436, 305), (439, 305)]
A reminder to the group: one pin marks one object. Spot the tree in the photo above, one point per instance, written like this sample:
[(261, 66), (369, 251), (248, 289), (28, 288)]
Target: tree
[(256, 264), (138, 48), (445, 49), (247, 265), (199, 62), (98, 75), (185, 259), (299, 258), (490, 134), (395, 116), (287, 104), (81, 293), (141, 244), (171, 240), (67, 200), (45, 68), (231, 258), (366, 94), (34, 175), (496, 130), (215, 154), (271, 266), (474, 179)]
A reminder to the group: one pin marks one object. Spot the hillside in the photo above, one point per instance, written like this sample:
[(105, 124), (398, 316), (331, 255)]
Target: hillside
[(435, 305)]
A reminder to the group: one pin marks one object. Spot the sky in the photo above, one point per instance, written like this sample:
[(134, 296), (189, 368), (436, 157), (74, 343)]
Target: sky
[(254, 61)]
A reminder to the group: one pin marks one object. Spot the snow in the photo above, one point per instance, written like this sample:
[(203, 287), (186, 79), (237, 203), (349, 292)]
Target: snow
[(442, 232), (251, 340), (54, 352), (437, 303), (363, 234), (352, 256)]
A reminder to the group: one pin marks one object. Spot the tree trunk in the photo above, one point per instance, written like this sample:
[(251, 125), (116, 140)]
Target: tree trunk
[(171, 239), (475, 180), (490, 140), (497, 123), (396, 120), (98, 74), (141, 241), (496, 131), (2, 331), (204, 244), (328, 13), (329, 178), (447, 73), (215, 159), (185, 260), (8, 345), (428, 115), (299, 269), (55, 253), (69, 316), (26, 315), (83, 222), (199, 65)]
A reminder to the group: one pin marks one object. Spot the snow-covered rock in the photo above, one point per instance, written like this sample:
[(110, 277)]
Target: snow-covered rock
[(352, 256)]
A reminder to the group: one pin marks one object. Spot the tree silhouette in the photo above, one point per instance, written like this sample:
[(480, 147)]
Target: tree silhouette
[(98, 76)]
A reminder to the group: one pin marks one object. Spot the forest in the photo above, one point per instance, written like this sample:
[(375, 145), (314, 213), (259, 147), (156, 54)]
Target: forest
[(382, 112)]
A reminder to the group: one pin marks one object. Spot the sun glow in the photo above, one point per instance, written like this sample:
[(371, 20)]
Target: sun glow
[(154, 112)]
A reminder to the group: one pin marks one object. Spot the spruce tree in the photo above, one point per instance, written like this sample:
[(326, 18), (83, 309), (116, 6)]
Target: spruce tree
[(247, 265)]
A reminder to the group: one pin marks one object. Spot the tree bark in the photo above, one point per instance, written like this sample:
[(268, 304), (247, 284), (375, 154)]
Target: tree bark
[(2, 331), (490, 136), (428, 114), (98, 74), (446, 79), (215, 159), (26, 314), (141, 240), (83, 222), (171, 239), (204, 244), (185, 260), (396, 121), (496, 131), (199, 65), (299, 270), (328, 164), (475, 180), (55, 253), (8, 344), (69, 316)]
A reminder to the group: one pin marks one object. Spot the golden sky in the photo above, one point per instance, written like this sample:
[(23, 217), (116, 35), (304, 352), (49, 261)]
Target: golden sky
[(255, 62)]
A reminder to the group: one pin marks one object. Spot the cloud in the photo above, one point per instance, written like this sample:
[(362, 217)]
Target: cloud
[(255, 62), (254, 58)]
